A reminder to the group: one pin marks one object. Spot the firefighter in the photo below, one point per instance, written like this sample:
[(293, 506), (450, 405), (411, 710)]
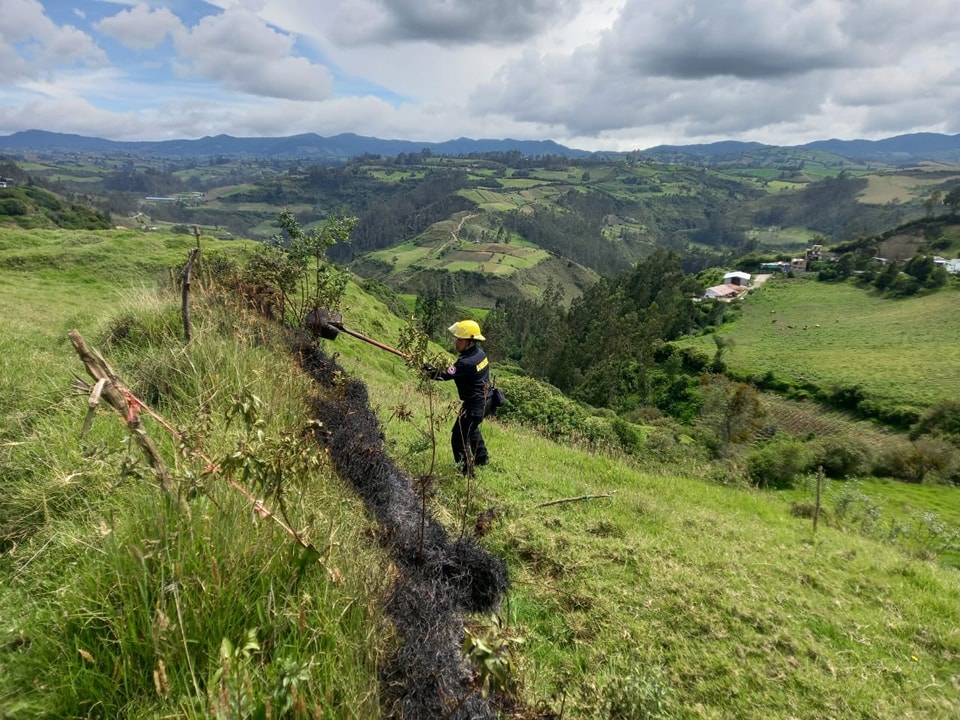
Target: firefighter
[(471, 374)]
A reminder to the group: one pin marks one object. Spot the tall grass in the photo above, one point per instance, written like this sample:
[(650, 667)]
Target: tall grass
[(119, 601)]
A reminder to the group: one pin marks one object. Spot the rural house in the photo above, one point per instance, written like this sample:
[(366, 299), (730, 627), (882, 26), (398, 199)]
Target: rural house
[(724, 292), (737, 277)]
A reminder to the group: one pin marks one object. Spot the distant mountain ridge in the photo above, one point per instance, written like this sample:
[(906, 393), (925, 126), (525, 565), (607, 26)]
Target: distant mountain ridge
[(306, 146), (898, 150)]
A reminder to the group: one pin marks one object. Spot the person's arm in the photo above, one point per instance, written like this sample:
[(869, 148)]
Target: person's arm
[(437, 374)]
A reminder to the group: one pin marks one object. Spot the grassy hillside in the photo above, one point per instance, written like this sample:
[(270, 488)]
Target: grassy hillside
[(661, 593), (901, 352), (33, 207), (118, 600)]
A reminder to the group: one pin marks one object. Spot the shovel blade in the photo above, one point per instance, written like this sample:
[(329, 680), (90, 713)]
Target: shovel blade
[(324, 323)]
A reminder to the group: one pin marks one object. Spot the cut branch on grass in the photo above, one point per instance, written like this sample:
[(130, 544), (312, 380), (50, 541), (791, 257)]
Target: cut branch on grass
[(109, 387), (575, 499)]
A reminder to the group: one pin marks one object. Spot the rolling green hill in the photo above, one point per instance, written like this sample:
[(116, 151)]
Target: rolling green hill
[(33, 207), (454, 215)]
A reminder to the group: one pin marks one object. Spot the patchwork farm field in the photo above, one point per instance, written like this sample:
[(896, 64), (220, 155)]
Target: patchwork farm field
[(497, 258), (905, 352)]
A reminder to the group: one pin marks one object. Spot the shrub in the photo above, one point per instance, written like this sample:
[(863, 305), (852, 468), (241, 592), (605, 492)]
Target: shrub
[(729, 473), (12, 206), (942, 419), (843, 456), (628, 435), (919, 460), (896, 416), (779, 463), (542, 406), (845, 397), (597, 431)]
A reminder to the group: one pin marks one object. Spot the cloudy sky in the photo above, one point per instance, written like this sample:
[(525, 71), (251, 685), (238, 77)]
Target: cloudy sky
[(591, 74)]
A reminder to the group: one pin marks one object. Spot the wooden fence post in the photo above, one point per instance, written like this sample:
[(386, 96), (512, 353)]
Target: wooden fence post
[(185, 292)]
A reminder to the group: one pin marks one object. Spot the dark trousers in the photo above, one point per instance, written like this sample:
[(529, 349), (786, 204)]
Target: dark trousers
[(467, 442)]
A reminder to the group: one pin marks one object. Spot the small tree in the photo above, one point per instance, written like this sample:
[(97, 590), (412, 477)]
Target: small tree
[(731, 413), (326, 286), (952, 200), (930, 204)]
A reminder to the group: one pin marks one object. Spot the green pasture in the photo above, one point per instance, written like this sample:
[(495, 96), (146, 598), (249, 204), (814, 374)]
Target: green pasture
[(786, 238), (510, 183), (902, 352), (63, 177), (393, 175), (784, 185), (32, 166), (922, 519), (555, 176), (897, 188), (496, 258), (492, 200), (511, 198), (402, 256), (228, 190), (765, 173)]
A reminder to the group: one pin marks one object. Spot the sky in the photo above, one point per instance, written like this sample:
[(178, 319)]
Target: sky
[(590, 74)]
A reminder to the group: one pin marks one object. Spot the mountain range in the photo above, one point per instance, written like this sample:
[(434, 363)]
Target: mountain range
[(306, 146), (899, 150)]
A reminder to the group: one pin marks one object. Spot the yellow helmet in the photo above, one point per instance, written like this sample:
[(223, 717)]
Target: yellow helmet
[(466, 330)]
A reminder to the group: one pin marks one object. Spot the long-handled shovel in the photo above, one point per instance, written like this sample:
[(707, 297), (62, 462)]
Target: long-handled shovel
[(329, 325)]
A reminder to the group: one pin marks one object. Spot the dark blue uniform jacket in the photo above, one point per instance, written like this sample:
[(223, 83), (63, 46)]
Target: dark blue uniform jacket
[(471, 373)]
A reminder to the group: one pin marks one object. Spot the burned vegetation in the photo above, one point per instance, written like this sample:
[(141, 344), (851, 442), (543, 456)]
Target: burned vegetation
[(438, 578)]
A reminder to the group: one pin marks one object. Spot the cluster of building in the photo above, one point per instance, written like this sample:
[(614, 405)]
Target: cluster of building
[(735, 284)]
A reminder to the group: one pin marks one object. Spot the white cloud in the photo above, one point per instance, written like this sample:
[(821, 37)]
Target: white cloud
[(31, 44), (141, 27), (618, 74), (241, 52), (706, 68)]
